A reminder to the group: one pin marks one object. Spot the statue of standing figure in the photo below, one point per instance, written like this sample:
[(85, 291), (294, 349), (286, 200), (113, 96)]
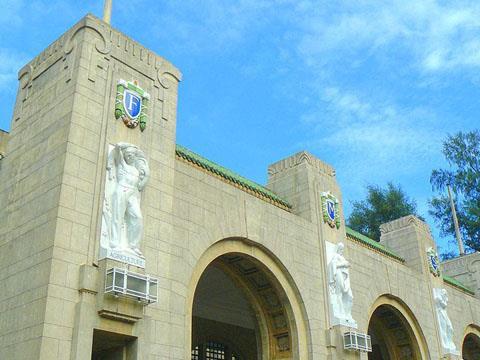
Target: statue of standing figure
[(127, 175), (446, 329), (341, 297)]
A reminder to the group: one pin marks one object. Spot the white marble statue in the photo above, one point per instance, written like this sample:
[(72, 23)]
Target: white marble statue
[(446, 329), (340, 292), (122, 226)]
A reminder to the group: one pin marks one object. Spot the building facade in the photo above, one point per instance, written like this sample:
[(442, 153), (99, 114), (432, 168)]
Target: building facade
[(117, 243)]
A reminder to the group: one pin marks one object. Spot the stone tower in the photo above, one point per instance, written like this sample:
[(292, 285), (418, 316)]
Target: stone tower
[(53, 184)]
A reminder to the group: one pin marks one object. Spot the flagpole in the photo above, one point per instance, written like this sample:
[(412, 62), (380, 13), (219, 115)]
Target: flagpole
[(107, 11), (455, 223)]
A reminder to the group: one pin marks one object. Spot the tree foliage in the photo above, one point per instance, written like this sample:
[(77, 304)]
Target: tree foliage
[(380, 206), (462, 152)]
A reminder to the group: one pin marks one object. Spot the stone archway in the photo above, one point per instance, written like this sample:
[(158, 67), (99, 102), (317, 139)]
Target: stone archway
[(243, 305), (471, 343), (395, 332)]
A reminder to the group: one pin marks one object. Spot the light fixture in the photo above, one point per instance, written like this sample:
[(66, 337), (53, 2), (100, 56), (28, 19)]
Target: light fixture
[(355, 341), (121, 282)]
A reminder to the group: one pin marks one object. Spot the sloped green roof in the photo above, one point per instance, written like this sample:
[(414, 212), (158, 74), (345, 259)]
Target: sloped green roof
[(454, 282), (231, 177), (352, 234)]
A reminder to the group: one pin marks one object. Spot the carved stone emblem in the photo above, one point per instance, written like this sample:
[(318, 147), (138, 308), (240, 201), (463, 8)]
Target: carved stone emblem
[(330, 210), (433, 261), (131, 104), (122, 222)]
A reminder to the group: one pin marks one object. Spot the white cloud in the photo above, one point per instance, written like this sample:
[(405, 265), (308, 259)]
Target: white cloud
[(434, 35), (11, 12), (374, 130), (372, 140), (437, 35), (10, 63), (206, 25)]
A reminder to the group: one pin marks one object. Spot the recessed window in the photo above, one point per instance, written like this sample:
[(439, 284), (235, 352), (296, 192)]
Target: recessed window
[(213, 351)]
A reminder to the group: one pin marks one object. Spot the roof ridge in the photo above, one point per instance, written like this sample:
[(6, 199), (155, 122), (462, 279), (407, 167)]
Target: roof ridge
[(372, 243), (454, 282), (230, 176)]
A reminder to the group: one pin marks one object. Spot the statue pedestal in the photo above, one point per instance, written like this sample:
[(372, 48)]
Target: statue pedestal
[(123, 256), (335, 345), (116, 308), (346, 323), (451, 357)]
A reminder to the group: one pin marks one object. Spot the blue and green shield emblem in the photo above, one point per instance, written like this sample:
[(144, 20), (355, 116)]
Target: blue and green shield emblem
[(131, 104), (330, 210), (433, 261)]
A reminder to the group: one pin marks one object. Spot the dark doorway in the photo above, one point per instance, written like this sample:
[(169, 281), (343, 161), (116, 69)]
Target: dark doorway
[(113, 346), (224, 325), (392, 336), (471, 347)]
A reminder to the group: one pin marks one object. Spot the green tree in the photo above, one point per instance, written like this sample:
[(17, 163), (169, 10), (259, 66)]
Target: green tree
[(380, 206), (462, 152)]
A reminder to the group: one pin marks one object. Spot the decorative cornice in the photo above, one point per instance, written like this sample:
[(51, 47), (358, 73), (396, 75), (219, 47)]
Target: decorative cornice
[(110, 42), (403, 222), (301, 158), (88, 22)]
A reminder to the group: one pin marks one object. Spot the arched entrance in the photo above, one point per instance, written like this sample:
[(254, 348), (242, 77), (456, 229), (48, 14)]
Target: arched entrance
[(244, 305), (395, 332), (471, 344)]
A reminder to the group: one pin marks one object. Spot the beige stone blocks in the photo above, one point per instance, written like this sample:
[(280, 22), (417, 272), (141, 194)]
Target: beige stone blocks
[(52, 192), (3, 144), (409, 237)]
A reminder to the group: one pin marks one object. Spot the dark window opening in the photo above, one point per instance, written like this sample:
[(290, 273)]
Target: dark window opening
[(213, 351)]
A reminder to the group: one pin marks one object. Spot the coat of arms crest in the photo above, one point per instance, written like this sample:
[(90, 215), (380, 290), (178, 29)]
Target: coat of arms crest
[(433, 261), (330, 210), (131, 104)]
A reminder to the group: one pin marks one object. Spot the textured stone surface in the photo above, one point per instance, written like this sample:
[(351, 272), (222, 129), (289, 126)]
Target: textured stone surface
[(3, 141), (51, 196), (465, 269)]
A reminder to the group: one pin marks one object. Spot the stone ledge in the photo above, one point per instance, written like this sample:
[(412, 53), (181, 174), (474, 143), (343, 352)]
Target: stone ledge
[(112, 315)]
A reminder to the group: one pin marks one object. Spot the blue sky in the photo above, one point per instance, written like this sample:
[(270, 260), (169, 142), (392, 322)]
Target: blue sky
[(371, 87)]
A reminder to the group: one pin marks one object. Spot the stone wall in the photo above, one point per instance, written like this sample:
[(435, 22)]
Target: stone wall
[(465, 269), (52, 194), (3, 145), (3, 142)]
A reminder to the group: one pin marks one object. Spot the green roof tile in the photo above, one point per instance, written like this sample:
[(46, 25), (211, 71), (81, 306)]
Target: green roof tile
[(230, 176), (262, 191), (454, 282), (372, 244)]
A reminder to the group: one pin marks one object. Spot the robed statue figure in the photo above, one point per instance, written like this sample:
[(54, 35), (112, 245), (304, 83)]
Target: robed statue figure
[(341, 297), (445, 325)]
